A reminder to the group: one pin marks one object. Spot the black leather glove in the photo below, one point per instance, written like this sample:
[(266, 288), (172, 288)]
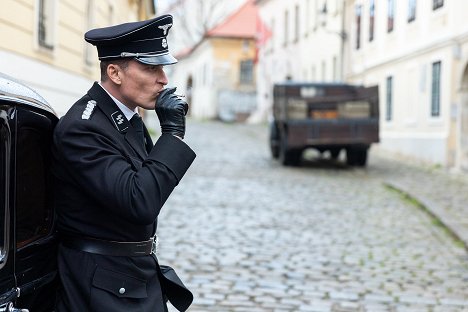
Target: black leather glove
[(171, 111)]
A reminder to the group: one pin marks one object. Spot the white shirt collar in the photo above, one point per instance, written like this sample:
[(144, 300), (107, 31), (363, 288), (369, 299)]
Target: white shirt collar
[(127, 111)]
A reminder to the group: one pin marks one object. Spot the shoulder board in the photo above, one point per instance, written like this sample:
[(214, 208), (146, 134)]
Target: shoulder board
[(89, 109)]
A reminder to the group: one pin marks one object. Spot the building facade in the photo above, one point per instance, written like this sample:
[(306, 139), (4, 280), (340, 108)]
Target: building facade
[(305, 43), (217, 75), (417, 53), (42, 43), (414, 50)]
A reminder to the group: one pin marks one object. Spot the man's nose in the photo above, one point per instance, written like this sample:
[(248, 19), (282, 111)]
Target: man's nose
[(162, 79)]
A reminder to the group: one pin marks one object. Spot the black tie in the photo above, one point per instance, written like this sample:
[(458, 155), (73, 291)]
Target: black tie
[(137, 124)]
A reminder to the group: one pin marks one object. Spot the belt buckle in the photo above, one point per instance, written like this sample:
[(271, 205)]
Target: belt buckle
[(155, 245)]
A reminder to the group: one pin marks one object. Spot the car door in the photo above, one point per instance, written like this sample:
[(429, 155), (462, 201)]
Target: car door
[(35, 242), (28, 277)]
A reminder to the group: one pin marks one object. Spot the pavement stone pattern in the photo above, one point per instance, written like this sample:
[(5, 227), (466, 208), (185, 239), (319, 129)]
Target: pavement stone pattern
[(444, 194), (246, 234)]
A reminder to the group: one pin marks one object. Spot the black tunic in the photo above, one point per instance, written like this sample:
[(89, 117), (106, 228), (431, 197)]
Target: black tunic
[(108, 187)]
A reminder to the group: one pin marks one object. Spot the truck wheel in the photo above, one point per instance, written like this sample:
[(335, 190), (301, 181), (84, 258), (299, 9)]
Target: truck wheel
[(334, 153), (361, 156), (350, 156), (288, 156), (356, 156), (274, 140)]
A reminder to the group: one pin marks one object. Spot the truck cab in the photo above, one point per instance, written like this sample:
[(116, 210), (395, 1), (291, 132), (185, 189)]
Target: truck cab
[(324, 116), (28, 273)]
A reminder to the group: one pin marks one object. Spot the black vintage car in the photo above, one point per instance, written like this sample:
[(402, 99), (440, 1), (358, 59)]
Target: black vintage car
[(28, 276)]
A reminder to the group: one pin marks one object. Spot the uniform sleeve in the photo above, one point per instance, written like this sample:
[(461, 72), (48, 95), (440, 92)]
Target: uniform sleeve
[(96, 163)]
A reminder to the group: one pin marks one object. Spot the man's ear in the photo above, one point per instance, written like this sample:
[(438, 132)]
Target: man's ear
[(113, 72)]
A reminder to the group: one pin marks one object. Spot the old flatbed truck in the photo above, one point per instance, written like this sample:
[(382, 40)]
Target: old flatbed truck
[(326, 117)]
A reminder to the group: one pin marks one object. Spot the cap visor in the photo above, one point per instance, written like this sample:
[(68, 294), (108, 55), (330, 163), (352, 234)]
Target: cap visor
[(166, 59)]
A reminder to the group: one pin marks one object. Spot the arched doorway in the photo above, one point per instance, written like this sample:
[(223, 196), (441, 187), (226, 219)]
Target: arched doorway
[(464, 121)]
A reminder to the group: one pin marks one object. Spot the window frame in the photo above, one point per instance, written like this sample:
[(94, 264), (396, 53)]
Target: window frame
[(389, 98), (390, 16), (412, 4), (437, 4), (297, 23), (358, 13), (89, 57), (246, 70), (286, 28), (371, 20), (46, 29), (435, 88)]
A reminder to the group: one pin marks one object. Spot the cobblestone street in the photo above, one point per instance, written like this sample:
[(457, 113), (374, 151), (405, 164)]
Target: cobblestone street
[(246, 234)]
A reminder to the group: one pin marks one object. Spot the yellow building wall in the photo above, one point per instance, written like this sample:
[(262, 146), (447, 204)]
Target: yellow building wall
[(233, 51), (18, 30)]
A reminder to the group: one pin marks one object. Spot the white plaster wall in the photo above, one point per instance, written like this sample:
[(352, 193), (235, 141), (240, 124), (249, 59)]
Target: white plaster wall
[(200, 67), (407, 54), (300, 59)]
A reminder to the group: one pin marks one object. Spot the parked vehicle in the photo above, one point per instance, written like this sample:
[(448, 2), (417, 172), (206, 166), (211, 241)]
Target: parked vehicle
[(28, 276), (326, 117)]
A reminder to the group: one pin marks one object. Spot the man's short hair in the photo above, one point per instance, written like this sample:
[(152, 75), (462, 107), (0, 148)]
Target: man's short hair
[(123, 63)]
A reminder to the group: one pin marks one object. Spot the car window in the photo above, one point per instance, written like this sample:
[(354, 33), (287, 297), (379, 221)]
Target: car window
[(33, 212)]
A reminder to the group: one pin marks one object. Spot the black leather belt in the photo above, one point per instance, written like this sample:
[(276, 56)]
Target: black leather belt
[(112, 248)]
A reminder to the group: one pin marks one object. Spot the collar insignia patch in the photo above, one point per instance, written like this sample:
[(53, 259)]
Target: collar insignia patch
[(119, 120), (89, 109)]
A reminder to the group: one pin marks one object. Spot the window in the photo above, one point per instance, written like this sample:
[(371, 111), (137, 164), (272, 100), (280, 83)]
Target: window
[(246, 72), (33, 208), (435, 90), (46, 24), (436, 4), (296, 21), (89, 50), (389, 99), (358, 26), (411, 10), (371, 19), (286, 28), (390, 15)]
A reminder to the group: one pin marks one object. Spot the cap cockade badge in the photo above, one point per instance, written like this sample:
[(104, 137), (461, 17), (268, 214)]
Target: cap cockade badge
[(164, 43), (89, 109)]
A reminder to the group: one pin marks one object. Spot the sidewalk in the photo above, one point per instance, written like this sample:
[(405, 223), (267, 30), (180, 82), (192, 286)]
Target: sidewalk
[(442, 193)]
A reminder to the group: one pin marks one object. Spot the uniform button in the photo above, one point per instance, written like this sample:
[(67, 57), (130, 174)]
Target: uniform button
[(122, 291)]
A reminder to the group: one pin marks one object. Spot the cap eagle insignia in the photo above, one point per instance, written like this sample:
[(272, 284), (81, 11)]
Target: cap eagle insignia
[(165, 28)]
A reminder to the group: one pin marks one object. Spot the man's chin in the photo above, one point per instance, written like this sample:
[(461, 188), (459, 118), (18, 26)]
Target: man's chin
[(148, 106)]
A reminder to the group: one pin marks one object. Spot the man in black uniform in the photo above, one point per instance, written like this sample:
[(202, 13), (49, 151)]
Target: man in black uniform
[(111, 181)]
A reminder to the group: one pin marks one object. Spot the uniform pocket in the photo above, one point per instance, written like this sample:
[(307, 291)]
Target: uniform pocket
[(119, 284)]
